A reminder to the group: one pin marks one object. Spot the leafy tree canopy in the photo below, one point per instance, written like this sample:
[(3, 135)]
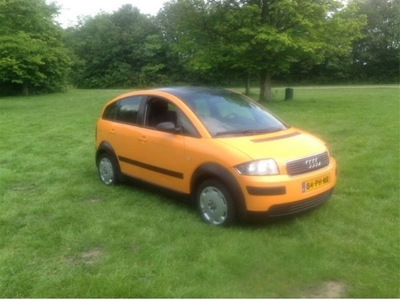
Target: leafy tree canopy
[(31, 54), (122, 49), (377, 54), (260, 36)]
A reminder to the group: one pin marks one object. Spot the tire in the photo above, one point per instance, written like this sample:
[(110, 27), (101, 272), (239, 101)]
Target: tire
[(215, 204), (108, 169)]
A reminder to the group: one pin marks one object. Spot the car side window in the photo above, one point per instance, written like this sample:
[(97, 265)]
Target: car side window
[(159, 111), (128, 109)]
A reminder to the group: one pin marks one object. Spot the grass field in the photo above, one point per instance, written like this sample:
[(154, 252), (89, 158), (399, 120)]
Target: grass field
[(64, 234)]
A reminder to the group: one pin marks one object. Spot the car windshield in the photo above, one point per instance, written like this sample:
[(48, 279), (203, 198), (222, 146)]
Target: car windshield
[(225, 113)]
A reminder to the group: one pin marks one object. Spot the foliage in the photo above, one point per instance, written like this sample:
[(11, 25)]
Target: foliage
[(201, 42), (373, 58), (263, 37), (63, 234), (376, 56), (230, 41), (122, 49), (31, 54)]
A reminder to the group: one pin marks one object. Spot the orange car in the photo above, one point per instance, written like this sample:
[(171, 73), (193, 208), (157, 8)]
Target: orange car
[(225, 150)]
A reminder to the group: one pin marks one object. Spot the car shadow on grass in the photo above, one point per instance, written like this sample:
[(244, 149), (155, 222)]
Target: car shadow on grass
[(255, 220), (163, 194), (186, 202)]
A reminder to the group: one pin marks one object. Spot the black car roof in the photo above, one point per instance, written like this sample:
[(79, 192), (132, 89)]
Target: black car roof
[(186, 92)]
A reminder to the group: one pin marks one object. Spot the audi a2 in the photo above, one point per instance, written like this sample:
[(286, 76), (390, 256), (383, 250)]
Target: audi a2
[(228, 152)]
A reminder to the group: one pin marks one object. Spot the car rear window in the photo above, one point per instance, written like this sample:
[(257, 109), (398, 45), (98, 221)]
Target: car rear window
[(128, 110), (125, 110), (109, 112)]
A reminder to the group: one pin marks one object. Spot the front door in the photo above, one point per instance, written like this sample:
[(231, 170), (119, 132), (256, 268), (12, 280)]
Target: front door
[(161, 155)]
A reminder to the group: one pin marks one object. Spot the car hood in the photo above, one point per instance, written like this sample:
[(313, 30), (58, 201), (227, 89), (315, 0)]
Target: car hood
[(281, 146)]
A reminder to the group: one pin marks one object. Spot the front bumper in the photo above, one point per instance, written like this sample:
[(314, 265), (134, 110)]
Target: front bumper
[(279, 210), (284, 195)]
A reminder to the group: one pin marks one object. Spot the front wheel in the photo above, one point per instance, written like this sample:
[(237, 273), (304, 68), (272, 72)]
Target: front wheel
[(108, 169), (215, 203)]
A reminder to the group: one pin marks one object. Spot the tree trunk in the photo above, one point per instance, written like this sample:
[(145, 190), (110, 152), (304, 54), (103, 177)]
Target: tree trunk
[(25, 90), (247, 92), (265, 86)]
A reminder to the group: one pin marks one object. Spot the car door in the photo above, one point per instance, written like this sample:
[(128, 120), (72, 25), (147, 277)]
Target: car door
[(161, 154), (124, 133)]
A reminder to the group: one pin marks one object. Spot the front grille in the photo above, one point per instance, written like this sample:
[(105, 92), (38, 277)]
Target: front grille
[(307, 164), (298, 206)]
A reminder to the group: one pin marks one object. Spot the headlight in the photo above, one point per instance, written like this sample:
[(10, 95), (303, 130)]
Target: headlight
[(258, 167)]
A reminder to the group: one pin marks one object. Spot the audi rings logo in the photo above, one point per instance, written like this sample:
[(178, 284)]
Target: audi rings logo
[(312, 163)]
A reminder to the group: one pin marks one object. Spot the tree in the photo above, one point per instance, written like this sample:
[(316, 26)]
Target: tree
[(376, 56), (119, 49), (259, 36), (31, 54)]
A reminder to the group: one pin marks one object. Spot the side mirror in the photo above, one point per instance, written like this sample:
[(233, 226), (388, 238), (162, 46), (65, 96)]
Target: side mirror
[(168, 127)]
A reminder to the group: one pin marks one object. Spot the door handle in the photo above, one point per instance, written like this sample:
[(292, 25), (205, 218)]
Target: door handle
[(143, 139), (112, 131)]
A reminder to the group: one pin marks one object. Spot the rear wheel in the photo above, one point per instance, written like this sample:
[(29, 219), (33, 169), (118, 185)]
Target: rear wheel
[(215, 203), (108, 169)]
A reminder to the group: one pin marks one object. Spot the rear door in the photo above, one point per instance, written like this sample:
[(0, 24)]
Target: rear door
[(124, 133)]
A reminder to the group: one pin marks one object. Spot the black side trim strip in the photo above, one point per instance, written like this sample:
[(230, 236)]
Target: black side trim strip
[(151, 167), (266, 191), (276, 137)]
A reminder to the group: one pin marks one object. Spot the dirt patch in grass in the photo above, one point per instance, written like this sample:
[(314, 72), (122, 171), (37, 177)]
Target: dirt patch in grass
[(328, 289), (4, 163), (92, 201), (21, 187), (88, 258), (134, 247), (92, 256)]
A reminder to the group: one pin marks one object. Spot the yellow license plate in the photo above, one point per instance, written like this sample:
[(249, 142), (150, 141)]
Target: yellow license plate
[(315, 183)]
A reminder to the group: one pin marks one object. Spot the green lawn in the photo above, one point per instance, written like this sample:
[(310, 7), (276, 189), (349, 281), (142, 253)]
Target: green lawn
[(64, 234)]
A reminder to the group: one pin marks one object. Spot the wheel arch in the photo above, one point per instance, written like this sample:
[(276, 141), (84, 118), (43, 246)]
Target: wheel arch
[(218, 172), (105, 147)]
